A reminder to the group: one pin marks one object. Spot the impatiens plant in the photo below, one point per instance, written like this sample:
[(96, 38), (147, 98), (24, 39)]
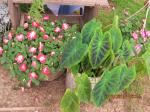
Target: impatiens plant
[(33, 51), (107, 55)]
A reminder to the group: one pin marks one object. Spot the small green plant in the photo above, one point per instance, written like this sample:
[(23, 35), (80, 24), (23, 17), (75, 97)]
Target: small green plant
[(36, 9), (32, 53)]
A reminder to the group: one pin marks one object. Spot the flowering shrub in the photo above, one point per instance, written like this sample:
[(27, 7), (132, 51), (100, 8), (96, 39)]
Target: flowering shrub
[(141, 40), (32, 53)]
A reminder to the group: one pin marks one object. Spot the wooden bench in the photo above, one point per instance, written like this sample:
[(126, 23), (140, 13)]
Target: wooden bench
[(91, 8)]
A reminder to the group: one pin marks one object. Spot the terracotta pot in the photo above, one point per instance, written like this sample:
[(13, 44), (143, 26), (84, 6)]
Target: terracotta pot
[(70, 80)]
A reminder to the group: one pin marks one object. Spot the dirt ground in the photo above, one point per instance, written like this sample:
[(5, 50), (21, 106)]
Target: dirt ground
[(47, 96)]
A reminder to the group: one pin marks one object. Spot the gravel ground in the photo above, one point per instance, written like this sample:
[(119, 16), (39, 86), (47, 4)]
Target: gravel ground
[(47, 96)]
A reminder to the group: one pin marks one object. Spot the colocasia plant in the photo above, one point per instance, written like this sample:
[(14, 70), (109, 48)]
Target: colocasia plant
[(33, 51), (100, 54)]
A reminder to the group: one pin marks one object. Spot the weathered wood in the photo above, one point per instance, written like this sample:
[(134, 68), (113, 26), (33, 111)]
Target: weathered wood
[(90, 12), (13, 13), (70, 2), (91, 9)]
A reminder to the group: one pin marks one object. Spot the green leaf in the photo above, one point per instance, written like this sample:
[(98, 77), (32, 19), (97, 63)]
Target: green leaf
[(83, 89), (70, 102), (73, 53), (140, 66), (116, 35), (102, 89), (109, 60), (127, 77), (75, 69), (146, 57), (126, 50), (113, 82), (115, 21), (89, 29), (99, 48)]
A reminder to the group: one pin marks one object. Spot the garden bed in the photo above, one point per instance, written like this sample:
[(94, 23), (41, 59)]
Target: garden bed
[(47, 96)]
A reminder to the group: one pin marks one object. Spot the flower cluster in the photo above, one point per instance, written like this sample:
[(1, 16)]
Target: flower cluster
[(140, 37), (33, 51)]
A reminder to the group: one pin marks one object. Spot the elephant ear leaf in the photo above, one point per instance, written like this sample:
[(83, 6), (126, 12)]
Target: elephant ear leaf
[(73, 53), (70, 102), (113, 82), (83, 89), (103, 88), (127, 76), (99, 48), (88, 30), (116, 36)]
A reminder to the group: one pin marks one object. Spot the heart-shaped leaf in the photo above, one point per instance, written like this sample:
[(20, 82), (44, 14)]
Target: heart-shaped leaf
[(99, 48), (74, 52), (113, 82), (88, 30)]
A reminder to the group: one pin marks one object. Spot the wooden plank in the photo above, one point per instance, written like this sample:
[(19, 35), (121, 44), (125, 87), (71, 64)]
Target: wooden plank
[(12, 12), (69, 2)]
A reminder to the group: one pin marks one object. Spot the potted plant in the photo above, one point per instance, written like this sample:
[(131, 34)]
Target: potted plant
[(33, 51), (105, 55)]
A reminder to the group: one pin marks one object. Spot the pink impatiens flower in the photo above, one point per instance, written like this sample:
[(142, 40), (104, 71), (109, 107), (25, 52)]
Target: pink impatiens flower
[(23, 67), (33, 75), (134, 35), (20, 37), (41, 29), (31, 35), (42, 58), (65, 26), (32, 50), (35, 24), (19, 58), (46, 17), (45, 71), (26, 25), (10, 35), (57, 30), (45, 37), (1, 50), (138, 48), (34, 64), (5, 41)]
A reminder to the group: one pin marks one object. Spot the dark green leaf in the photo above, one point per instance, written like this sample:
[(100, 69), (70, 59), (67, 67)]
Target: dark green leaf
[(99, 48), (73, 53), (89, 29)]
